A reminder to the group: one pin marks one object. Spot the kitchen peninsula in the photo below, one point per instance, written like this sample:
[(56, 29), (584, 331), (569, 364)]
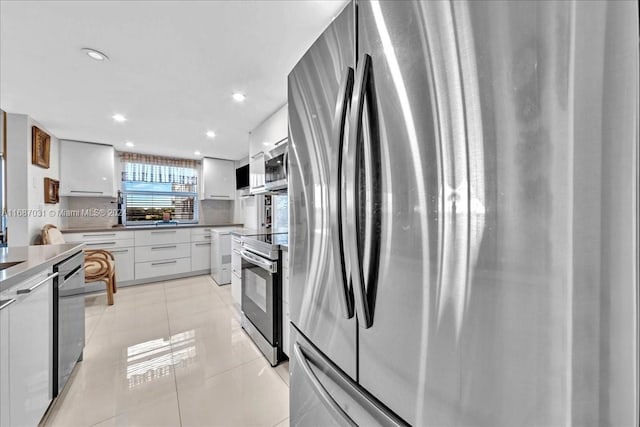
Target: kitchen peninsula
[(28, 331)]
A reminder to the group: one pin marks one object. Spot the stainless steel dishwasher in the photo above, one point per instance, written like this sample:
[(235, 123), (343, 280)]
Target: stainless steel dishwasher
[(68, 319)]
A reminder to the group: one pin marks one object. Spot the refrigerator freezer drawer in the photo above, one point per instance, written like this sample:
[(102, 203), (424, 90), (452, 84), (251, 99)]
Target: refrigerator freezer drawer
[(327, 396)]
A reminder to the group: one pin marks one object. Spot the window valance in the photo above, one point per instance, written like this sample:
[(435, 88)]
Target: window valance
[(150, 168)]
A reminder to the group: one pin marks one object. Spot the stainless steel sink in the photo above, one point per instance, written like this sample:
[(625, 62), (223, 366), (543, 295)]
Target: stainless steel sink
[(5, 265)]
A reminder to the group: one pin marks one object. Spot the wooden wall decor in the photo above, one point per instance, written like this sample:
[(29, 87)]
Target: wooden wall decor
[(51, 189), (40, 147)]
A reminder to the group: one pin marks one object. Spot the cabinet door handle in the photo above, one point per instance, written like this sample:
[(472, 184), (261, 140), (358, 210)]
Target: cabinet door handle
[(163, 231), (119, 251), (163, 247), (219, 195), (37, 285), (164, 262), (101, 243), (86, 192), (7, 303), (203, 244), (99, 235)]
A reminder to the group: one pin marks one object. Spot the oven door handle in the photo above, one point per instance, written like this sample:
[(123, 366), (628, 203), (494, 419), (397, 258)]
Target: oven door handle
[(270, 266)]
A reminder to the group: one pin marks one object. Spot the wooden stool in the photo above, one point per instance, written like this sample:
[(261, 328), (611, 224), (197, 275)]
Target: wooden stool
[(99, 265)]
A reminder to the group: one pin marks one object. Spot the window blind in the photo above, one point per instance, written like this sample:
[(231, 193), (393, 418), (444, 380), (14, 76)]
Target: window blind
[(150, 206)]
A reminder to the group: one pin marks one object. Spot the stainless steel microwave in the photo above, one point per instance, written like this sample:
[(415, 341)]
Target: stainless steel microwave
[(276, 166)]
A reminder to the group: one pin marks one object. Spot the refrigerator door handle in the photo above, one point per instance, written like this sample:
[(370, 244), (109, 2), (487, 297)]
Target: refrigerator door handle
[(337, 222), (364, 409), (329, 402), (364, 287)]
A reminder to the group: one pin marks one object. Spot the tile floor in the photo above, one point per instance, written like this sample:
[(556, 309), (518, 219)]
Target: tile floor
[(171, 354)]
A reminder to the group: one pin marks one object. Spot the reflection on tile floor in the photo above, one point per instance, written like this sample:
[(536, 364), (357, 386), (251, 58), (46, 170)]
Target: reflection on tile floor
[(171, 354)]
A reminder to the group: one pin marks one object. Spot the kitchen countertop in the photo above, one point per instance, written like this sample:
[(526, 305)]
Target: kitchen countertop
[(35, 259), (144, 227)]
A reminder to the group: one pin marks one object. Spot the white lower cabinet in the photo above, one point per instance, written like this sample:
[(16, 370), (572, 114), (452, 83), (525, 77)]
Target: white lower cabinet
[(30, 350), (143, 255), (236, 289), (119, 243), (125, 264), (162, 253), (200, 256), (150, 269), (4, 363)]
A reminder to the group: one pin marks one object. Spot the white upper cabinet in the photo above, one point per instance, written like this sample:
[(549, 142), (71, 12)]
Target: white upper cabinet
[(218, 179), (275, 128), (262, 139), (87, 169)]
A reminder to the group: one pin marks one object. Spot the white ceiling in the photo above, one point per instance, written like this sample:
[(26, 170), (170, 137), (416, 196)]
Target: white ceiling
[(173, 67)]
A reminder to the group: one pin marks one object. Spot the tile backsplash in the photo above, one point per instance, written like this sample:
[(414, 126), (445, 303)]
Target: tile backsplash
[(92, 212), (96, 212), (216, 211)]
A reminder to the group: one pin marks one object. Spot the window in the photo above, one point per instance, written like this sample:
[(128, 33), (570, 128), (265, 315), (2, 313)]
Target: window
[(150, 191)]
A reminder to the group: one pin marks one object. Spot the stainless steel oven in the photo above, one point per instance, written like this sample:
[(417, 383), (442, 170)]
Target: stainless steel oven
[(275, 166), (262, 295)]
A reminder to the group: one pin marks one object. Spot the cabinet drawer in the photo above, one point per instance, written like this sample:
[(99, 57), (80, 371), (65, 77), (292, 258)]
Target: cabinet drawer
[(145, 270), (200, 235), (105, 236), (200, 256), (154, 237), (109, 244), (163, 251)]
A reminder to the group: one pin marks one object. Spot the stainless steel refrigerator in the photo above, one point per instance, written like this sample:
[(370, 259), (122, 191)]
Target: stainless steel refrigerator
[(464, 215)]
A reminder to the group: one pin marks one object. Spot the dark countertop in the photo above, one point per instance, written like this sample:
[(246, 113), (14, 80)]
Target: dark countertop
[(36, 258), (144, 227)]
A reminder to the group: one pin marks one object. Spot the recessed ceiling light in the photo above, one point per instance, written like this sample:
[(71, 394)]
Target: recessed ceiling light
[(239, 96), (266, 144), (211, 134), (197, 153), (129, 144), (95, 54), (119, 118)]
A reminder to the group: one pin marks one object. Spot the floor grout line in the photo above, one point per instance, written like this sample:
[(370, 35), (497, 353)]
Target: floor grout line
[(281, 421), (173, 364)]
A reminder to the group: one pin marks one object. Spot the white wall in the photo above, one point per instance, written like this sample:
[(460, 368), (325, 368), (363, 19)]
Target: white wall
[(25, 182)]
